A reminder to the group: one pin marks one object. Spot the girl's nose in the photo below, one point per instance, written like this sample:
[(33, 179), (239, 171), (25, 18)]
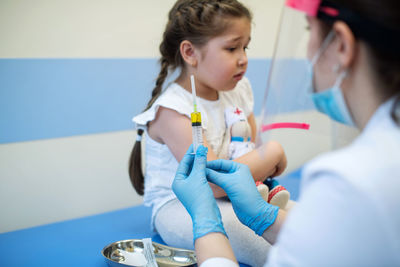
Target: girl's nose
[(242, 59)]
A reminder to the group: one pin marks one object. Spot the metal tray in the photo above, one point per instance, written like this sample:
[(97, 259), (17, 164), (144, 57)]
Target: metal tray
[(165, 256)]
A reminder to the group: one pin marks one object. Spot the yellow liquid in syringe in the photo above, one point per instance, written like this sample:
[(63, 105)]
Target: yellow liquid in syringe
[(197, 133)]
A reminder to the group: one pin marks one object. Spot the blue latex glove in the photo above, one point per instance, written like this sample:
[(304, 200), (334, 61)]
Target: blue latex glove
[(237, 181), (192, 189)]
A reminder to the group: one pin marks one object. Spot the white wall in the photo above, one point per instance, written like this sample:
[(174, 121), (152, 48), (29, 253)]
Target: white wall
[(51, 180), (106, 28), (63, 178)]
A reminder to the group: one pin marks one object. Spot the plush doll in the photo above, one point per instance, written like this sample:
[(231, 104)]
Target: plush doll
[(239, 131), (240, 135)]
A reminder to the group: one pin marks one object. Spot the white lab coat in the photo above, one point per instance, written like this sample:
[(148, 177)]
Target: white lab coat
[(349, 208)]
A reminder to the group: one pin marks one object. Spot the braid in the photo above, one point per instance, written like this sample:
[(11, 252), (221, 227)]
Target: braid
[(159, 82), (135, 165)]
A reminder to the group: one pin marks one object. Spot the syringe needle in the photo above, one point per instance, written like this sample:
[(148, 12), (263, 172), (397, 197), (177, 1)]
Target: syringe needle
[(193, 93)]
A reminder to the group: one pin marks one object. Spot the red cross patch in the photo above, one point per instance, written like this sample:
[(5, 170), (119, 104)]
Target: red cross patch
[(237, 111)]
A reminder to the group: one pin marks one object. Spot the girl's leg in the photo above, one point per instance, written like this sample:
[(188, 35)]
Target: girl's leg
[(248, 247), (174, 225)]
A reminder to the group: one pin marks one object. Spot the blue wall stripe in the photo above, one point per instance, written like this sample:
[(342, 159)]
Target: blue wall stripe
[(50, 98)]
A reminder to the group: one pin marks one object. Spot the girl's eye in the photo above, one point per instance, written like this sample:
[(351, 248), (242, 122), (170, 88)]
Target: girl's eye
[(231, 49)]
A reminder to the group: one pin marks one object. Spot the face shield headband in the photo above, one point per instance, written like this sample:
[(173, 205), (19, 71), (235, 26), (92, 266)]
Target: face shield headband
[(372, 32)]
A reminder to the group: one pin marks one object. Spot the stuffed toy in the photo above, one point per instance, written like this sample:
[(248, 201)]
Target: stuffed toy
[(239, 131)]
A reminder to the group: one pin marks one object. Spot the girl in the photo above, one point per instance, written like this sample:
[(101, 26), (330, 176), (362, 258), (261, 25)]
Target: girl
[(207, 39)]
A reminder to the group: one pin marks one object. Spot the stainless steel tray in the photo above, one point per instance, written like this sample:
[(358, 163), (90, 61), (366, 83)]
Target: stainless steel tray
[(165, 256)]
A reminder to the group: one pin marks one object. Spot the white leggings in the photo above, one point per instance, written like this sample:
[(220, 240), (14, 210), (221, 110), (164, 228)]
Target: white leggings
[(174, 225)]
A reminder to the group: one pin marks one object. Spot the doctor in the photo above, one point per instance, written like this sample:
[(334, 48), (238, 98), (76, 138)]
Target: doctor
[(349, 209)]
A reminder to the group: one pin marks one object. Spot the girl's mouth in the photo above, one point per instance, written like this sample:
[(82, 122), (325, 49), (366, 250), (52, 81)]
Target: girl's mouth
[(239, 76)]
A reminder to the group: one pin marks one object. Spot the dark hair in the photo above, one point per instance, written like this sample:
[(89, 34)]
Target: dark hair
[(377, 24), (196, 21)]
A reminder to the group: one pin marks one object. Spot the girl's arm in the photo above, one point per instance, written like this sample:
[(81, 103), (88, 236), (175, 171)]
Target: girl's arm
[(172, 129), (253, 126), (175, 130), (268, 160)]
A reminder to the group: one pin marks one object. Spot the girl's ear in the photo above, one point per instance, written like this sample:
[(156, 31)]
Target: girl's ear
[(188, 53), (347, 44)]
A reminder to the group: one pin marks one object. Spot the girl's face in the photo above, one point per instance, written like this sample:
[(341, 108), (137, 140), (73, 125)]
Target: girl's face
[(222, 62)]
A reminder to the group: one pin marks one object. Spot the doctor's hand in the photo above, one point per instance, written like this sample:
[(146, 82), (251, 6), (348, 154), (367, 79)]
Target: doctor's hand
[(192, 189), (250, 208)]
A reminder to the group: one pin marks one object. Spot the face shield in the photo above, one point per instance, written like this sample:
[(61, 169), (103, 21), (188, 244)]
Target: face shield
[(289, 115)]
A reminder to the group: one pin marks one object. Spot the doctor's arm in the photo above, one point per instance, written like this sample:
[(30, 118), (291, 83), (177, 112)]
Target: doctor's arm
[(214, 249)]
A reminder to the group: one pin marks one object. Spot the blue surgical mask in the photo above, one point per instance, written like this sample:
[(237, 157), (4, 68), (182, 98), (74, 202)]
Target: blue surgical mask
[(330, 101)]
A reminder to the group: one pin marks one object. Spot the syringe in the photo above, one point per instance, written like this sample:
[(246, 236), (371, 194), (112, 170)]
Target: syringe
[(197, 134)]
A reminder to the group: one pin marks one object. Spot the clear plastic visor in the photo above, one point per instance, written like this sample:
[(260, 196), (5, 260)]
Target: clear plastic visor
[(288, 115)]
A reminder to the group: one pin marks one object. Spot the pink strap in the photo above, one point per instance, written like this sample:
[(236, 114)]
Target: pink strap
[(280, 125), (310, 7)]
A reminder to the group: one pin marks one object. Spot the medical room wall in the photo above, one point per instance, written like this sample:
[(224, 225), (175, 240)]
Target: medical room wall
[(72, 75)]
